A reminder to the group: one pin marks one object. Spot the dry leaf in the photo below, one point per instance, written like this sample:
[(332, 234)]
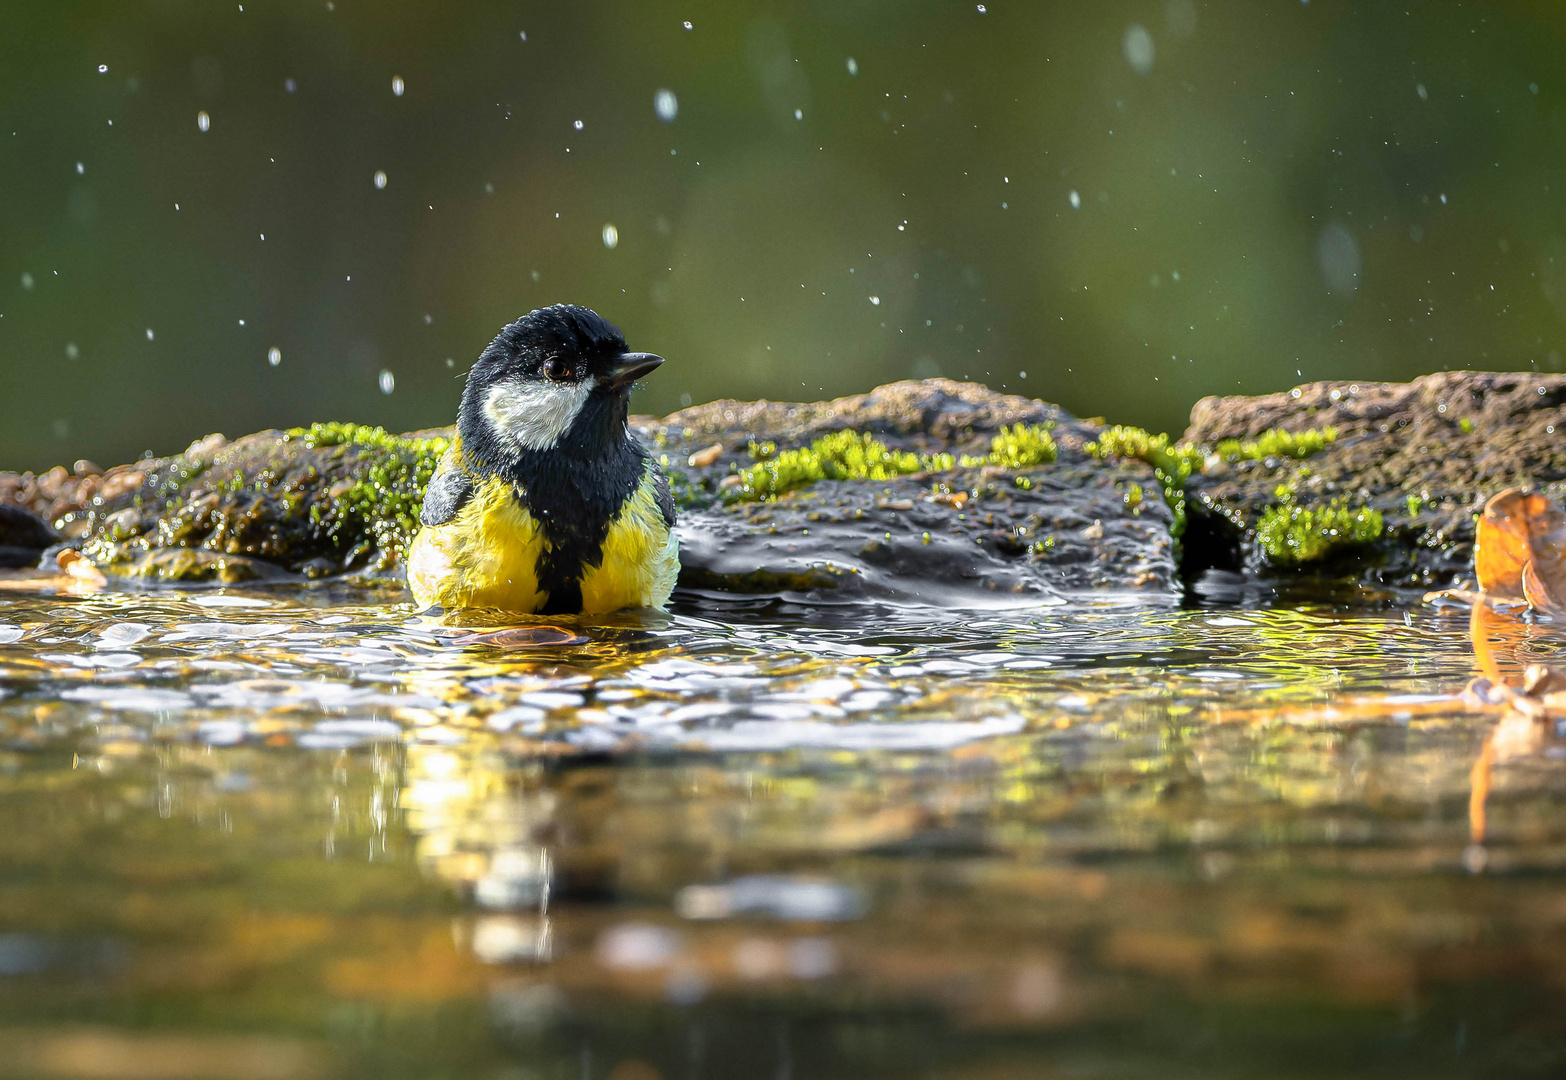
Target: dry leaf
[(1512, 533), (80, 568), (1521, 550), (1544, 585)]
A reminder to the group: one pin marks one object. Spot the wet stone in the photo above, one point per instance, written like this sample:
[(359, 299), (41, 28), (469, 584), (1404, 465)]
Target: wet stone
[(955, 534), (1425, 454)]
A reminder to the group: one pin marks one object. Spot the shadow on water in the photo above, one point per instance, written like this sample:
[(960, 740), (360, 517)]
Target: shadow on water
[(316, 834)]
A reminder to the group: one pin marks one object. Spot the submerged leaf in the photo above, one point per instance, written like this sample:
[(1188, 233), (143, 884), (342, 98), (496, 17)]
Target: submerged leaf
[(522, 637)]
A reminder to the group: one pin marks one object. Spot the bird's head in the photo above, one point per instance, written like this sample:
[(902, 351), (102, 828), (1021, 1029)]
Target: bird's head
[(558, 378)]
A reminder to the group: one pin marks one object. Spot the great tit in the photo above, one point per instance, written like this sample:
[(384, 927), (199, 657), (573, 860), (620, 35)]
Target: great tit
[(544, 502)]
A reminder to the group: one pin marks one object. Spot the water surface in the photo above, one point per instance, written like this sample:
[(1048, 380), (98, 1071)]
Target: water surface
[(314, 834)]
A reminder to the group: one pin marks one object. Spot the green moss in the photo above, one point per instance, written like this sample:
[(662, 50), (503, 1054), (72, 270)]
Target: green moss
[(1179, 460), (1172, 464), (1277, 443), (1292, 534), (1023, 446), (842, 455), (390, 476), (853, 455), (686, 494)]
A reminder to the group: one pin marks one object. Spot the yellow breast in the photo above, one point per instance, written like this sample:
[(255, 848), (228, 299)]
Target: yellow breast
[(641, 558), (487, 557)]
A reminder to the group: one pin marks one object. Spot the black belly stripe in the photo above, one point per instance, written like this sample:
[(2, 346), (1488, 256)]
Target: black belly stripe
[(563, 561), (574, 504)]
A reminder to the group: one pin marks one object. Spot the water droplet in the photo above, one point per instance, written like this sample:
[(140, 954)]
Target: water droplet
[(149, 333), (274, 356), (103, 69), (666, 105), (1338, 259), (397, 85), (577, 124), (688, 25), (611, 237), (876, 300), (799, 114), (1137, 47), (524, 35), (80, 169), (853, 66), (388, 381), (203, 121), (380, 179), (1074, 199), (71, 351)]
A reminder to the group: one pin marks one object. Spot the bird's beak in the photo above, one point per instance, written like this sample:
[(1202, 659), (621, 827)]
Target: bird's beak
[(628, 367)]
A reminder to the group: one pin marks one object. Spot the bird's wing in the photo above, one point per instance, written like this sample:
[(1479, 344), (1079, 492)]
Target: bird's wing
[(449, 490), (664, 495)]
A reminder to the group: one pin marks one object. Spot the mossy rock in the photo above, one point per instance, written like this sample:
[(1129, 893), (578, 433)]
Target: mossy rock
[(936, 490), (1420, 457), (311, 502)]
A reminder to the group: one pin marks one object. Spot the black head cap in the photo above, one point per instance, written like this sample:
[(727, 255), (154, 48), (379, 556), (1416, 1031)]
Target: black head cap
[(560, 375)]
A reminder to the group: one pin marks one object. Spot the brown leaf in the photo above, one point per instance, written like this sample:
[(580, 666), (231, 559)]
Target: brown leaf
[(1544, 586), (80, 568), (1516, 529)]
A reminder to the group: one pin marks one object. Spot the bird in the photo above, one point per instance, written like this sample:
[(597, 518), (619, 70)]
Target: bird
[(544, 503)]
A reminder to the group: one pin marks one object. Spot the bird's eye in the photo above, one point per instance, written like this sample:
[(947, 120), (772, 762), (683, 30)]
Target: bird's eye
[(557, 369)]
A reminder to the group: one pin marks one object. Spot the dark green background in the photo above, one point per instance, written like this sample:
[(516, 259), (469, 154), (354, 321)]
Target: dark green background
[(1271, 149)]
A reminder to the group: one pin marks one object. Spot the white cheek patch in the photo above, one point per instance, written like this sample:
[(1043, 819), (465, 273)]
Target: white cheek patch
[(534, 415)]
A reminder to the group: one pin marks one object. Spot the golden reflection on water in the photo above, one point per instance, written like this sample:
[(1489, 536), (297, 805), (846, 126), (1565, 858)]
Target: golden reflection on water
[(971, 846)]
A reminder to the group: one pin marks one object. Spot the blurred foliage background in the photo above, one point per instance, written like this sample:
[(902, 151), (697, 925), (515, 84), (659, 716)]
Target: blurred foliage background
[(1133, 203)]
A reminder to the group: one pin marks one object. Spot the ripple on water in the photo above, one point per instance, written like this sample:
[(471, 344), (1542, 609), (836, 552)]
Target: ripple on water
[(1062, 818)]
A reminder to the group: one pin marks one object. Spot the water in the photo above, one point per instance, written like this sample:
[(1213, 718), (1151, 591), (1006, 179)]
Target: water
[(312, 834)]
